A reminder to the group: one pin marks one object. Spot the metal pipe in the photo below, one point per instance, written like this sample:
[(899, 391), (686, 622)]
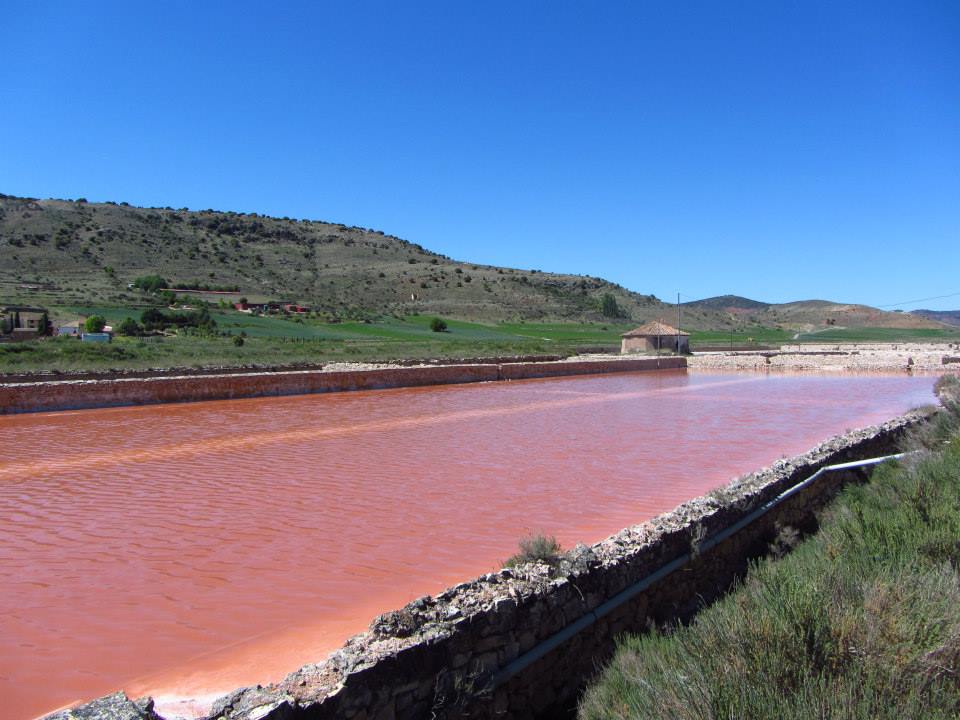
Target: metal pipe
[(557, 639)]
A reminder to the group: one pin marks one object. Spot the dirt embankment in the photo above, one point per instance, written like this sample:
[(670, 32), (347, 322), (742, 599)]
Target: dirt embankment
[(904, 357)]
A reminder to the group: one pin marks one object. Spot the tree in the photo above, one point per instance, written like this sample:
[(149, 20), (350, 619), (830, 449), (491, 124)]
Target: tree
[(438, 325), (150, 283), (610, 308), (153, 319), (94, 323), (130, 328)]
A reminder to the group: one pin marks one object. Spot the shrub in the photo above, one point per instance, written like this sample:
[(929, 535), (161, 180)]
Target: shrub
[(536, 548), (438, 325), (130, 328), (94, 323), (150, 283), (238, 341), (155, 319)]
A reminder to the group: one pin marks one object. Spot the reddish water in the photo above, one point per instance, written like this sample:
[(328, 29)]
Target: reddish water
[(184, 550)]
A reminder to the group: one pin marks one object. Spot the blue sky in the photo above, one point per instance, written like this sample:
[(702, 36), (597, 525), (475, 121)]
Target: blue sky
[(778, 150)]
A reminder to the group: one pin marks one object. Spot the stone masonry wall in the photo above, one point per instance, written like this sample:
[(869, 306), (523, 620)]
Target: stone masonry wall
[(78, 394), (446, 656)]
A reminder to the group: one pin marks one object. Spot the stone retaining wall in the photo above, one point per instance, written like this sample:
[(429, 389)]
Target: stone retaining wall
[(78, 394), (447, 656), (900, 357)]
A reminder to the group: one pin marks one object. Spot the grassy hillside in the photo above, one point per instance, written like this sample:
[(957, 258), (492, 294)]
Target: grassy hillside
[(77, 253), (64, 253)]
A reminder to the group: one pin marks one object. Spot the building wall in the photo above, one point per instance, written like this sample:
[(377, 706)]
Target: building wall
[(648, 343), (636, 344)]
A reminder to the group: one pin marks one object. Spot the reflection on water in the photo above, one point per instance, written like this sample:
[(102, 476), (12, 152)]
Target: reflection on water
[(184, 550)]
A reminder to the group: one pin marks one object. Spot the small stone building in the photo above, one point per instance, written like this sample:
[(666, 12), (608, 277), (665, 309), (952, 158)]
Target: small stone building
[(654, 336), (23, 323)]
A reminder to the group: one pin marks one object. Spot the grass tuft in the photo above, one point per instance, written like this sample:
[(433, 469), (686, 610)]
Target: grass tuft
[(536, 548)]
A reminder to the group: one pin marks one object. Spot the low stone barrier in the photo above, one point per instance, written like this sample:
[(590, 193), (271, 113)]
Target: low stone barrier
[(464, 652), (897, 357), (80, 394), (519, 371)]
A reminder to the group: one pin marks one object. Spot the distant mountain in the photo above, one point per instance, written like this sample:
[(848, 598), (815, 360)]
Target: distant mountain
[(728, 303), (947, 317), (806, 315)]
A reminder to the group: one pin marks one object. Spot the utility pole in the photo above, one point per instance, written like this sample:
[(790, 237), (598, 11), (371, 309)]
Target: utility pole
[(678, 322)]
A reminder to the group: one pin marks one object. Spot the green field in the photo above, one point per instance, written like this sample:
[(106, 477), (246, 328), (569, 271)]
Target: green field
[(278, 340), (274, 340), (746, 336), (868, 334)]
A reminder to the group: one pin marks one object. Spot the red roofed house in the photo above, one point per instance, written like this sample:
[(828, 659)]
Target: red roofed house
[(654, 336)]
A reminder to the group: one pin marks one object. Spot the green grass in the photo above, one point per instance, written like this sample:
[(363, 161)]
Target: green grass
[(593, 334), (279, 340), (112, 313), (745, 336), (868, 334), (860, 621)]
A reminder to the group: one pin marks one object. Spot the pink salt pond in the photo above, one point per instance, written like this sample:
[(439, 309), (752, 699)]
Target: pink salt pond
[(185, 550)]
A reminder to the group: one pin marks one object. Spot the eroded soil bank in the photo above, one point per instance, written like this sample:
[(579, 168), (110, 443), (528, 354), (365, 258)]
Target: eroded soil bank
[(212, 545)]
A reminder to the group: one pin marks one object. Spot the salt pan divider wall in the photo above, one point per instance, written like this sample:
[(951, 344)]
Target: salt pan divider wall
[(80, 394)]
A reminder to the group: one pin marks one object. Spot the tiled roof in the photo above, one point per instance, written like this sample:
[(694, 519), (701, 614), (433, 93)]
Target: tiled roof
[(654, 327)]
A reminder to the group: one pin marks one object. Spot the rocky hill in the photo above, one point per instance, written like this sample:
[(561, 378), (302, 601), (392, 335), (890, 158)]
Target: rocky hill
[(74, 252), (808, 315), (948, 317), (64, 252)]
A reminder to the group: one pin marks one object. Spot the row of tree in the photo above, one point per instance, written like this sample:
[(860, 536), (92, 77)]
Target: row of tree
[(154, 319)]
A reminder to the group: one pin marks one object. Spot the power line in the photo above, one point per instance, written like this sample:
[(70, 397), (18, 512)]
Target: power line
[(910, 302)]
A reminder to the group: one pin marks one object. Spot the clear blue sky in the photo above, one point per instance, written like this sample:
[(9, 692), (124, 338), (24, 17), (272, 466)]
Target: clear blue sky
[(778, 150)]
